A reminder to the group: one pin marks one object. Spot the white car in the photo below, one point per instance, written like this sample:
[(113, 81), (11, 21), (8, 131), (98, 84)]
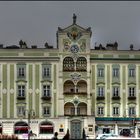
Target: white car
[(104, 136)]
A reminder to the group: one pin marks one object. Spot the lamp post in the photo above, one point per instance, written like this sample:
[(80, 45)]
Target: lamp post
[(29, 118)]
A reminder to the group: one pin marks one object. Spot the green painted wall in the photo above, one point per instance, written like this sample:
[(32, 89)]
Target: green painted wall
[(37, 105), (11, 87), (37, 76), (4, 105), (33, 54), (8, 54), (108, 56), (108, 104), (12, 76), (124, 77), (37, 98), (4, 78), (12, 102), (55, 102)]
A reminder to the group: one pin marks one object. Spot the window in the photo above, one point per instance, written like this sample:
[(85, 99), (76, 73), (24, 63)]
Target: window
[(46, 72), (21, 111), (115, 91), (81, 64), (46, 128), (21, 90), (100, 72), (46, 111), (72, 111), (115, 110), (46, 90), (68, 64), (131, 111), (100, 111), (100, 91), (131, 72), (131, 91), (115, 72), (21, 72)]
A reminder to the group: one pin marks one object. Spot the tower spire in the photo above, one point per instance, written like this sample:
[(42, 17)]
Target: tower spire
[(74, 18)]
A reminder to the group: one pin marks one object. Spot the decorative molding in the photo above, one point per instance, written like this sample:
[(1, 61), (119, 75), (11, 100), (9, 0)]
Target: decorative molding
[(11, 91), (4, 91), (75, 77)]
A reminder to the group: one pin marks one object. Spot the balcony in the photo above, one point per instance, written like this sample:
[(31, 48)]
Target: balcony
[(100, 97), (132, 98), (116, 98), (46, 98), (21, 97)]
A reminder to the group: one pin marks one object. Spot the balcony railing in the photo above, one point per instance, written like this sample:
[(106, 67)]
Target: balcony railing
[(100, 97), (132, 97), (116, 98), (46, 98), (21, 97)]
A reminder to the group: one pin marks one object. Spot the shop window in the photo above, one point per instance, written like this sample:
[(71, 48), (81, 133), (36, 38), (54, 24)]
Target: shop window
[(21, 128), (46, 128)]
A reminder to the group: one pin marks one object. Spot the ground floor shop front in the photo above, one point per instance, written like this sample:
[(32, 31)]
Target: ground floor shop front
[(45, 128), (119, 126)]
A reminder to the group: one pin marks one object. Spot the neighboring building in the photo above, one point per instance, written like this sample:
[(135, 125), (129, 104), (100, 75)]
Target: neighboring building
[(70, 87)]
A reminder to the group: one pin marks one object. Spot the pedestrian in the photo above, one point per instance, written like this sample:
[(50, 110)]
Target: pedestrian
[(55, 136)]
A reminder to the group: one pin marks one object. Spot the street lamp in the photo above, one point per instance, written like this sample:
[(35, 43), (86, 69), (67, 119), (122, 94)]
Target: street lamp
[(31, 113)]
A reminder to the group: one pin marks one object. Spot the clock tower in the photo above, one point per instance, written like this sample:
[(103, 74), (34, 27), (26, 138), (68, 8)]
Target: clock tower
[(73, 43)]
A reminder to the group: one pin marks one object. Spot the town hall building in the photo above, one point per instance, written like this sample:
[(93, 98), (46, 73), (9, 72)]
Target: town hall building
[(71, 88)]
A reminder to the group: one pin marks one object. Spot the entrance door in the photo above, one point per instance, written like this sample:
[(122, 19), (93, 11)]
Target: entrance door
[(75, 130)]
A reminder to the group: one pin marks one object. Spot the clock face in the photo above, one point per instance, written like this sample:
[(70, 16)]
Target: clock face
[(74, 48)]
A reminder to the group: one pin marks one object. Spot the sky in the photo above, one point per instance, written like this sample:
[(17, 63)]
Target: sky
[(36, 22)]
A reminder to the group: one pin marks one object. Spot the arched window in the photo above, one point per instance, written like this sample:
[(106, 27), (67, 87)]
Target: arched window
[(81, 64), (69, 109), (21, 128), (68, 64), (46, 128)]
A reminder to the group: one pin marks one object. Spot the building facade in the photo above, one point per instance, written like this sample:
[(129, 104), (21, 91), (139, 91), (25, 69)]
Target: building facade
[(70, 88)]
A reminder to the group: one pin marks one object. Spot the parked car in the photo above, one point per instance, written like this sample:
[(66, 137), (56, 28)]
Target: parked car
[(104, 136)]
